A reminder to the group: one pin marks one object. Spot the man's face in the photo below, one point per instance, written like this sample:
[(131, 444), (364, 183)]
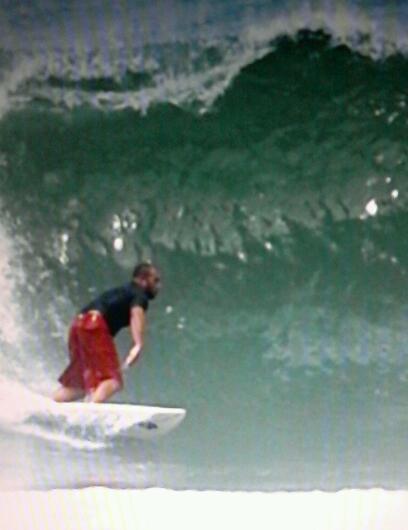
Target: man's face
[(152, 283)]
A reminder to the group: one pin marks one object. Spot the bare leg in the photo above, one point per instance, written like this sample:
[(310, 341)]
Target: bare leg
[(65, 393), (105, 390)]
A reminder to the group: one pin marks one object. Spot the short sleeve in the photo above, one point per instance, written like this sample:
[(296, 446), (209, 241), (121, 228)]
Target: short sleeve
[(139, 300)]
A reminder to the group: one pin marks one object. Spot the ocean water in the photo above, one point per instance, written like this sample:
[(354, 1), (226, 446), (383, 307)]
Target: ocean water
[(256, 152)]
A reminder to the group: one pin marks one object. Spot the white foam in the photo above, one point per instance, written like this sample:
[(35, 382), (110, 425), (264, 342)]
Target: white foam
[(24, 69), (19, 335), (60, 438), (176, 60), (10, 325), (17, 402), (79, 425), (158, 509)]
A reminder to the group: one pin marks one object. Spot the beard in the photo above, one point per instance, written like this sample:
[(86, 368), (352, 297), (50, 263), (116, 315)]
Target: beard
[(151, 293)]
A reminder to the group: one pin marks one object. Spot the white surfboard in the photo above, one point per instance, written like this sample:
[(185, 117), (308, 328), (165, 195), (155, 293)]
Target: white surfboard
[(110, 419)]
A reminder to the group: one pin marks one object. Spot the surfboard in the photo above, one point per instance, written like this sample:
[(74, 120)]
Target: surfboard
[(108, 420)]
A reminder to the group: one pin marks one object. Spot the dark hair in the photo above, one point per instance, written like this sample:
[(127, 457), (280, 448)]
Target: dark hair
[(142, 269)]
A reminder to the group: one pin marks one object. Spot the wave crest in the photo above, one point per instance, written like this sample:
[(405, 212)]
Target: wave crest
[(117, 62)]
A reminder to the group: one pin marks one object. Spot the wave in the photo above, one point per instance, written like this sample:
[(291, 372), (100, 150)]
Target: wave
[(138, 56), (296, 175), (295, 144), (264, 171)]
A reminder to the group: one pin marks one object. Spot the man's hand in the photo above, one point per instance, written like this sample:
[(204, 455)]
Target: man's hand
[(137, 326), (132, 357)]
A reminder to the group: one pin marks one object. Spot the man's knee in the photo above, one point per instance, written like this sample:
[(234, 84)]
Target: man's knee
[(105, 390), (63, 394), (115, 385)]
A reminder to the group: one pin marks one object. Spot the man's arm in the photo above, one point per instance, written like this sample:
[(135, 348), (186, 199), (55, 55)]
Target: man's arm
[(137, 329)]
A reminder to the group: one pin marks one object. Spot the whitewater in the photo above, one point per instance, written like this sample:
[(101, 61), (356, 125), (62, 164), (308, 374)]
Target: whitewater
[(102, 509)]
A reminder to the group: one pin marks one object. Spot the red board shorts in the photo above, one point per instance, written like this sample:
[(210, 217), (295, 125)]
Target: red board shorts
[(93, 355)]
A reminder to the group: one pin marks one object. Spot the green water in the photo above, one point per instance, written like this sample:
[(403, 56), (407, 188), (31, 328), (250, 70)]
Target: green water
[(281, 326)]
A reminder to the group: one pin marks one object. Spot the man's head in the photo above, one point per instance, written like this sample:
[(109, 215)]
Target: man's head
[(147, 276)]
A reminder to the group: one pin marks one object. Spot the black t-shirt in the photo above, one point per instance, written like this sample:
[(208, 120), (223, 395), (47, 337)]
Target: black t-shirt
[(115, 305)]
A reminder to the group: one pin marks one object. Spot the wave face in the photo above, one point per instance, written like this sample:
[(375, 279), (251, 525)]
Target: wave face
[(258, 156)]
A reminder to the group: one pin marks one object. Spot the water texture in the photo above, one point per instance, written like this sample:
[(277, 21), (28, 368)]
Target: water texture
[(256, 153)]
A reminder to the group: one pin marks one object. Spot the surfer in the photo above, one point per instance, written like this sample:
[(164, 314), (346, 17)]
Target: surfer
[(94, 369)]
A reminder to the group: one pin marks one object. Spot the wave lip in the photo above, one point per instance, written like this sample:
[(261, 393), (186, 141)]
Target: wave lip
[(188, 63)]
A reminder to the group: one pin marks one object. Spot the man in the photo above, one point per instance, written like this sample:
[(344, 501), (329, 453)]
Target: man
[(94, 369)]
